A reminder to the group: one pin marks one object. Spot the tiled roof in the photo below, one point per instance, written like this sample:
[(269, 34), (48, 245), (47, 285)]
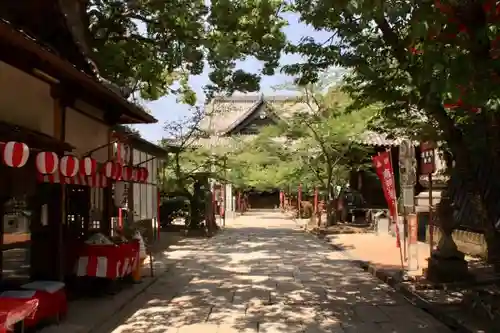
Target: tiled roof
[(371, 138), (225, 113)]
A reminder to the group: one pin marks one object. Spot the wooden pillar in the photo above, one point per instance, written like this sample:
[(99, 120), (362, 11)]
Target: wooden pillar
[(108, 195), (130, 191), (111, 119), (59, 127)]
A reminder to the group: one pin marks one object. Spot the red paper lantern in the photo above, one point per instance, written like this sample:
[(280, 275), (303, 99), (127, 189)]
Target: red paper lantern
[(47, 162), (88, 166), (144, 173), (119, 171), (69, 166), (127, 173), (112, 170), (15, 154), (135, 174), (138, 174)]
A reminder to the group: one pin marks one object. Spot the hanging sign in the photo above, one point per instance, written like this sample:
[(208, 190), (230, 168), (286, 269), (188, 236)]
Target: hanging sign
[(47, 162), (383, 168), (15, 154), (69, 166), (88, 166), (120, 194), (427, 160)]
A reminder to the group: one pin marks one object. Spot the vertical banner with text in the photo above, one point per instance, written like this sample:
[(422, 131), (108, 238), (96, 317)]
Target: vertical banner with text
[(383, 168)]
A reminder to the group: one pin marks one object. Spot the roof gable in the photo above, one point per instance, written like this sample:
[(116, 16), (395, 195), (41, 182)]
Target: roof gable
[(227, 115), (256, 120), (223, 114)]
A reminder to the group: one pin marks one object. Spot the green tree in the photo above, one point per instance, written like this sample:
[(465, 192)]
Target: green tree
[(153, 46), (314, 145), (323, 137), (189, 165), (261, 162), (433, 65)]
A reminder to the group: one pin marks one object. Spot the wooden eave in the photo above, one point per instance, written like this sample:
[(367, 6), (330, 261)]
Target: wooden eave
[(148, 147), (25, 53), (32, 138), (52, 23)]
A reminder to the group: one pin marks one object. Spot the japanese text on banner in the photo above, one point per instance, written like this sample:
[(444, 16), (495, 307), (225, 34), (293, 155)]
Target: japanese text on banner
[(384, 171)]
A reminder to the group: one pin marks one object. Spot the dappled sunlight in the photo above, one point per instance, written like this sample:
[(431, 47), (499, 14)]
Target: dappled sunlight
[(253, 278)]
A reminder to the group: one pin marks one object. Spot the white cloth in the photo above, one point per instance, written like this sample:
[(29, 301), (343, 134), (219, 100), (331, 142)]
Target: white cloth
[(142, 246)]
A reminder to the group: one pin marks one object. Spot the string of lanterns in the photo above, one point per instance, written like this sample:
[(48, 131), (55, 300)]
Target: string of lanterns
[(16, 154)]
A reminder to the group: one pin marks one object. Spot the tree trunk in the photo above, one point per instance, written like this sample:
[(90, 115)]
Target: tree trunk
[(474, 195)]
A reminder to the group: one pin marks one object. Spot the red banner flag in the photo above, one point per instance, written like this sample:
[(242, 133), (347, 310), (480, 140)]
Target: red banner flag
[(383, 168)]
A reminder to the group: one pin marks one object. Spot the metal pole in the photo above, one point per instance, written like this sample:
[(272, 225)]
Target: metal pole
[(431, 222)]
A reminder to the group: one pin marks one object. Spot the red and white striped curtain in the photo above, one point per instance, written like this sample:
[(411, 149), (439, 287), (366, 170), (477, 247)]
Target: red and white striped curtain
[(97, 180)]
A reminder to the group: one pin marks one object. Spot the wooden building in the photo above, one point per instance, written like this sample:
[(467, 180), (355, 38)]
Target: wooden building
[(139, 201), (52, 100), (232, 120)]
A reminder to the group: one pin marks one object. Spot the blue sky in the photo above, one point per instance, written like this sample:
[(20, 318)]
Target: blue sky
[(166, 109)]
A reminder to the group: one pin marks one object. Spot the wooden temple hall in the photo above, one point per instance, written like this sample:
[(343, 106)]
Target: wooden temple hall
[(59, 156)]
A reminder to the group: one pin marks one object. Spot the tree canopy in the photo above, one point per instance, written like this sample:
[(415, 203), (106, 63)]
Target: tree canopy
[(154, 46), (314, 146), (428, 62)]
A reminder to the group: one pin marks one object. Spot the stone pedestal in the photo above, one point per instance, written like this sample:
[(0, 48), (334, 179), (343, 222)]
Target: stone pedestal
[(446, 263), (444, 270)]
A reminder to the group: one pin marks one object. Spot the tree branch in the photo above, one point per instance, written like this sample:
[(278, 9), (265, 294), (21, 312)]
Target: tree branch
[(314, 132), (428, 102)]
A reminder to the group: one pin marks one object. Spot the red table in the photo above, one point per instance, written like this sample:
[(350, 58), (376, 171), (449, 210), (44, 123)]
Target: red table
[(14, 310), (107, 261)]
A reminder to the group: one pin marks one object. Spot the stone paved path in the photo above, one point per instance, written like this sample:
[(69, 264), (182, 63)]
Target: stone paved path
[(263, 275)]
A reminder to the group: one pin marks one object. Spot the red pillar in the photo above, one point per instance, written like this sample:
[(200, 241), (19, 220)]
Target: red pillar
[(299, 199)]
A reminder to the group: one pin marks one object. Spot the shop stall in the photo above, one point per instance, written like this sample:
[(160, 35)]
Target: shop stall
[(93, 254)]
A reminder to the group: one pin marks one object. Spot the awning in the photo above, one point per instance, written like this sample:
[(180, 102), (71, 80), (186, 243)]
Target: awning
[(98, 180)]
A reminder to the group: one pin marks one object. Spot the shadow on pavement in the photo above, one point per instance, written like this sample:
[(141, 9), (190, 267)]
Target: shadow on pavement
[(253, 279)]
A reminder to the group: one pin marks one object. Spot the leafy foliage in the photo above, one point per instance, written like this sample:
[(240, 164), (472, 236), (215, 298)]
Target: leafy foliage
[(153, 46), (429, 62), (313, 145), (433, 66)]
